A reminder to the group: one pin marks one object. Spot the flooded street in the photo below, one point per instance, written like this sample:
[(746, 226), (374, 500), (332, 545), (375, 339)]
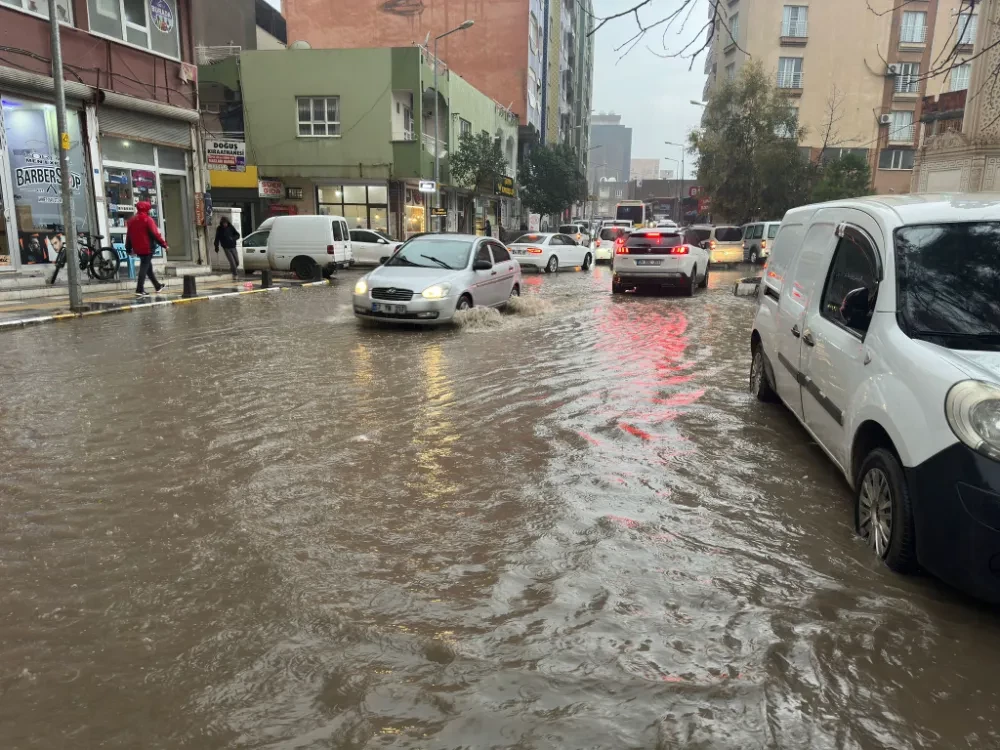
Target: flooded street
[(258, 524)]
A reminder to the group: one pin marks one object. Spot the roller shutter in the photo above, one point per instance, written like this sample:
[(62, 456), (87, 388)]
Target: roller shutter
[(143, 127)]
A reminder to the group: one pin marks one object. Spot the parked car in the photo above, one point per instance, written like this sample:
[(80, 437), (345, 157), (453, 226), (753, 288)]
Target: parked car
[(299, 244), (724, 243), (659, 258), (433, 276), (578, 231), (550, 251), (878, 326), (757, 240), (369, 246), (604, 245)]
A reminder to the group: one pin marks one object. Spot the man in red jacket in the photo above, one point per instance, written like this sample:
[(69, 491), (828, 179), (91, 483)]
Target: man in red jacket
[(141, 236)]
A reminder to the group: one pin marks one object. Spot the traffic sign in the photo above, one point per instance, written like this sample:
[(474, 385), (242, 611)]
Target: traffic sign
[(428, 186)]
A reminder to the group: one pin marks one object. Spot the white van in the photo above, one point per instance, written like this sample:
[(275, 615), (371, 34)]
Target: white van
[(299, 244), (878, 326)]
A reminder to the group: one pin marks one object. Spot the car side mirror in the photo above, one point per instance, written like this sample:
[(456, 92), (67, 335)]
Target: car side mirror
[(481, 265), (383, 242), (854, 310), (383, 259)]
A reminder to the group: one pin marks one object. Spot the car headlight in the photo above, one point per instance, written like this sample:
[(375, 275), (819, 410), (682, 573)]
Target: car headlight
[(973, 412), (438, 291), (361, 287)]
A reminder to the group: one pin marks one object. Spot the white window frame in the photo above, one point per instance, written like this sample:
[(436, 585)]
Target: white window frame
[(913, 32), (730, 71), (896, 162), (799, 27), (908, 82), (901, 131), (21, 5), (126, 25), (789, 79), (734, 28), (962, 78), (967, 30), (533, 32), (464, 126), (312, 121)]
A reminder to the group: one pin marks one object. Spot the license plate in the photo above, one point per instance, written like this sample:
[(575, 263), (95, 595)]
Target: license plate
[(517, 252), (388, 309), (648, 262)]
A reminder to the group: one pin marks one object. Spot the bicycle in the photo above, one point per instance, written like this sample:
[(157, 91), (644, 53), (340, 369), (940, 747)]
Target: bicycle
[(100, 263)]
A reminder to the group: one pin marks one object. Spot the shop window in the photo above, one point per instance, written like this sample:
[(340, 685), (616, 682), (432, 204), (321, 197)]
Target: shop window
[(132, 152), (150, 24), (171, 158), (378, 194), (64, 8), (33, 151), (355, 194)]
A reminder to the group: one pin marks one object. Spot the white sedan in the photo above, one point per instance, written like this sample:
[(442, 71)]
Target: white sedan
[(551, 251), (371, 246)]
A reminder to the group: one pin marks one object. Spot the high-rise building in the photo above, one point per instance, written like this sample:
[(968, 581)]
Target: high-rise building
[(609, 161), (857, 86), (531, 56), (644, 169)]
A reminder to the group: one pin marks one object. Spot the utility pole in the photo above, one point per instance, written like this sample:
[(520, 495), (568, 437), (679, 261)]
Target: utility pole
[(437, 123), (68, 209)]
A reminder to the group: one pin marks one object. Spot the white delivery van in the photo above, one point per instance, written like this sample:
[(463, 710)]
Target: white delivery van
[(878, 326), (299, 244)]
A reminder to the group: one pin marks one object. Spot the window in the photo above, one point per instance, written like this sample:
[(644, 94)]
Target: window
[(758, 232), (64, 8), (901, 129), (831, 154), (960, 77), (257, 239), (407, 123), (896, 158), (772, 231), (968, 24), (789, 72), (855, 265), (907, 81), (734, 28), (319, 117), (483, 253), (533, 32), (464, 127), (338, 231), (729, 234), (730, 71), (794, 21), (150, 24), (500, 254), (914, 27)]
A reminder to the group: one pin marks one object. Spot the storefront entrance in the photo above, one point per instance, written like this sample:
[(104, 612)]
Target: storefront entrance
[(175, 221)]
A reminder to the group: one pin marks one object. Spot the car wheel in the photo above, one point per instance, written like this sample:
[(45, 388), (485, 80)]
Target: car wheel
[(553, 265), (303, 269), (692, 282), (588, 261), (616, 287), (464, 302), (760, 377), (515, 291), (883, 512), (704, 281), (753, 257)]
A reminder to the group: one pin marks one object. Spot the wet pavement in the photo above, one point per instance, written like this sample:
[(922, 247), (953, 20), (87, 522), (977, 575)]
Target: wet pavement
[(259, 524)]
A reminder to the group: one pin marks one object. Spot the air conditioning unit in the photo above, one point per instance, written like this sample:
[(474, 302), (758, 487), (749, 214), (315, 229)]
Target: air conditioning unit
[(885, 119), (892, 69)]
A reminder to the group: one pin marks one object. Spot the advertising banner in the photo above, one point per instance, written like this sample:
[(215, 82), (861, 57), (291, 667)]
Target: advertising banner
[(226, 156)]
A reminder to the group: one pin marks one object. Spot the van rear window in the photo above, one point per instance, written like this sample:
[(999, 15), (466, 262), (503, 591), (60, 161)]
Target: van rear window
[(728, 234), (654, 239), (569, 228), (610, 233)]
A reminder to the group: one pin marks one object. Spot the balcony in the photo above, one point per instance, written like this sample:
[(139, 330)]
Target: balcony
[(902, 135), (794, 34), (429, 142), (790, 80), (912, 36), (403, 135)]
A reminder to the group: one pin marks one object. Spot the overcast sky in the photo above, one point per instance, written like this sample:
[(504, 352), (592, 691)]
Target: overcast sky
[(653, 95)]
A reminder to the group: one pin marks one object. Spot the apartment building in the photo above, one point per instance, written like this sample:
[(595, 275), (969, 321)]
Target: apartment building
[(644, 169), (609, 164), (533, 56), (132, 127), (856, 75)]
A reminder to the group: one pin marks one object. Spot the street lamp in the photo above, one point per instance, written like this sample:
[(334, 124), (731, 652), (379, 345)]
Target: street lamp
[(437, 123), (681, 183), (696, 103)]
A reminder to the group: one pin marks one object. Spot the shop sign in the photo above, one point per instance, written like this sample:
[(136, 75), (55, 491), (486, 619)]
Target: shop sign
[(226, 156), (505, 186), (694, 191), (282, 209), (294, 193), (439, 211), (270, 189), (427, 186), (199, 209), (45, 180), (704, 205), (534, 222), (161, 15)]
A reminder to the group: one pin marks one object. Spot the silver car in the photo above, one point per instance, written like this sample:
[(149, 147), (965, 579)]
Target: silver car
[(431, 277)]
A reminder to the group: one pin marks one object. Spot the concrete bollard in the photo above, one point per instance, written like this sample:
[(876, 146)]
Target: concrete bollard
[(748, 287), (265, 279), (190, 287), (317, 272)]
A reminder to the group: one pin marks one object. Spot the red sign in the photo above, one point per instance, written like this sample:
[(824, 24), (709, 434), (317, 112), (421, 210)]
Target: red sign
[(282, 209), (694, 191), (704, 205)]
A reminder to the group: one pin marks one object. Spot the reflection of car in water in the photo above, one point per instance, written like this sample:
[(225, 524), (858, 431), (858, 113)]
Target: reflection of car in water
[(878, 326)]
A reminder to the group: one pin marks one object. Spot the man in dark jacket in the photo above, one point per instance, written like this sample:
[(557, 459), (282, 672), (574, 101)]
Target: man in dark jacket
[(226, 236), (141, 235)]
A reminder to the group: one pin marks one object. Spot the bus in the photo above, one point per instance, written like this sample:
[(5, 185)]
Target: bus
[(639, 213)]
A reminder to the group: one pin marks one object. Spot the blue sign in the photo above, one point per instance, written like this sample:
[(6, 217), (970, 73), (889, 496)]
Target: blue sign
[(162, 15)]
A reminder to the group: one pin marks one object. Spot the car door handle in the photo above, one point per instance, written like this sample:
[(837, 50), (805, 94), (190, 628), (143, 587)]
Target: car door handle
[(795, 331), (493, 274), (807, 338)]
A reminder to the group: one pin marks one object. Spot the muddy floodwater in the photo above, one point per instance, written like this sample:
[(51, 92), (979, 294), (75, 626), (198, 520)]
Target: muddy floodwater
[(254, 523)]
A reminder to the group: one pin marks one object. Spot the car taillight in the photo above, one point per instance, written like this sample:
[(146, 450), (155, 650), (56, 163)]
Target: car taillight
[(621, 250), (534, 250), (679, 250), (579, 237), (763, 244), (744, 246), (329, 250), (598, 244), (711, 245)]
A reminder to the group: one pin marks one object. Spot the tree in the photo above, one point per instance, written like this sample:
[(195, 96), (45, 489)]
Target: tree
[(846, 177), (748, 158), (551, 180), (479, 160)]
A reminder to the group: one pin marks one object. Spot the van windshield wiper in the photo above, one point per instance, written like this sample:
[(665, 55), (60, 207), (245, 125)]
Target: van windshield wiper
[(983, 336), (438, 261)]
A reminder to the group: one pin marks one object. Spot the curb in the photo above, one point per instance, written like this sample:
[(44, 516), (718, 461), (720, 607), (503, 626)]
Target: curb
[(25, 322)]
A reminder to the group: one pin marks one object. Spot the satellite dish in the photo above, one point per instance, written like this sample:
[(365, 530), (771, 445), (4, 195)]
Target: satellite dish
[(301, 44)]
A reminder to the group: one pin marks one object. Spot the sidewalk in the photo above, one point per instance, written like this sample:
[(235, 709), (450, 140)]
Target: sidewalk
[(109, 298)]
